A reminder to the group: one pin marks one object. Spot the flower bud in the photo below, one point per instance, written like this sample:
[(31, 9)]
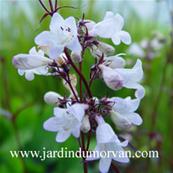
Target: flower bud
[(52, 98), (85, 127), (76, 58), (106, 48)]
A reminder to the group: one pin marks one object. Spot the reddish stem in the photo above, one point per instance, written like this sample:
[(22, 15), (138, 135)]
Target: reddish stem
[(78, 72)]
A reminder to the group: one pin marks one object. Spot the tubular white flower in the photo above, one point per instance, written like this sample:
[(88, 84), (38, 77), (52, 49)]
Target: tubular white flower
[(52, 98), (66, 121), (33, 63), (107, 141), (111, 27), (123, 113), (124, 77), (112, 79), (63, 33)]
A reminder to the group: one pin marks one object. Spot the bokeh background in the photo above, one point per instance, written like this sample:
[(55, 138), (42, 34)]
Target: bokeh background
[(22, 110)]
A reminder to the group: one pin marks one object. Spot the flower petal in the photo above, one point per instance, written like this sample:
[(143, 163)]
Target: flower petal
[(135, 119), (45, 38), (116, 39), (62, 136), (125, 37), (104, 164), (29, 75), (52, 124), (104, 133), (56, 21), (29, 61), (70, 21), (75, 46)]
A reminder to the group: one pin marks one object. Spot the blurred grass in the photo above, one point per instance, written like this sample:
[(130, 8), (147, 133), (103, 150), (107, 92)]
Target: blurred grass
[(19, 24)]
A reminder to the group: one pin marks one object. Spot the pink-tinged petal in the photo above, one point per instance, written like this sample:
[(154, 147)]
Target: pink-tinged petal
[(27, 61), (104, 164), (56, 22), (62, 136), (52, 124), (125, 37), (112, 79)]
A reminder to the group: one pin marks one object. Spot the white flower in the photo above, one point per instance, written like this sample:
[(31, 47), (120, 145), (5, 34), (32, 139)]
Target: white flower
[(52, 98), (32, 60), (112, 78), (111, 27), (32, 63), (136, 50), (124, 77), (108, 142), (63, 33), (123, 113), (66, 121)]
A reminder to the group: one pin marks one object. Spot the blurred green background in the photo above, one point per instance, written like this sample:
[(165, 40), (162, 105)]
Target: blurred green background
[(23, 100)]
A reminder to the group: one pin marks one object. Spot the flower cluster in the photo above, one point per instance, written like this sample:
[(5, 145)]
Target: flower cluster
[(148, 48), (61, 49)]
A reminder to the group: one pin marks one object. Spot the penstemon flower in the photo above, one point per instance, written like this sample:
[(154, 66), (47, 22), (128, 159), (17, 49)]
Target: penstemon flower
[(32, 63), (63, 33), (123, 114), (66, 121), (111, 27), (81, 114), (107, 141)]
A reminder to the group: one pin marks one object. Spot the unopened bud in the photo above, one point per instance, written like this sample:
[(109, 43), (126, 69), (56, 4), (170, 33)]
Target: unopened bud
[(85, 127), (52, 98), (106, 48), (76, 58)]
